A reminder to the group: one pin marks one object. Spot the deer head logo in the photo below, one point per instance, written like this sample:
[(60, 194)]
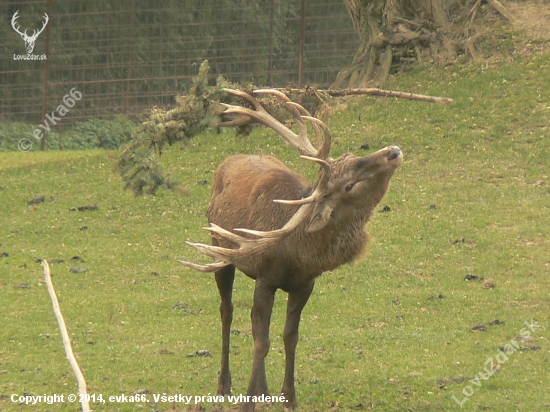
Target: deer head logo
[(29, 40)]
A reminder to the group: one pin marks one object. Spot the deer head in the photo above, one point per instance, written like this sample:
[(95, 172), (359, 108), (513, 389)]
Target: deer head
[(29, 40)]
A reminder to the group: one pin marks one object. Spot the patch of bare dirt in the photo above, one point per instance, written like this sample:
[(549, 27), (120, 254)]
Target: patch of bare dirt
[(532, 17)]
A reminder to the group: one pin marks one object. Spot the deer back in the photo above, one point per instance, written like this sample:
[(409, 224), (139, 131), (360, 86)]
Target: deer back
[(245, 187)]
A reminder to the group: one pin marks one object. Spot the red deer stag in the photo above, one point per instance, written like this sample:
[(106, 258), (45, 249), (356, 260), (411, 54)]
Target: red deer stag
[(280, 230)]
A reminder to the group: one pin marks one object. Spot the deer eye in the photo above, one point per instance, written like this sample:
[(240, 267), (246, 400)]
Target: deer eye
[(349, 186)]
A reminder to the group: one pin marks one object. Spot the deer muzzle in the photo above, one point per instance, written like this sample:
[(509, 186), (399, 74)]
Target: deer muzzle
[(395, 154), (391, 154)]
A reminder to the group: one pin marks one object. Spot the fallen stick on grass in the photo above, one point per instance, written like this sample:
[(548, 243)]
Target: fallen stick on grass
[(391, 93), (370, 91), (66, 340)]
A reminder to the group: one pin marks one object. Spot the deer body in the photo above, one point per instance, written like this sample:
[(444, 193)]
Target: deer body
[(243, 195), (294, 232)]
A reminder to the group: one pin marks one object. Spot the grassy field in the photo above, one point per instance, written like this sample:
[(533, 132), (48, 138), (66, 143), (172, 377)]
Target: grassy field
[(391, 332)]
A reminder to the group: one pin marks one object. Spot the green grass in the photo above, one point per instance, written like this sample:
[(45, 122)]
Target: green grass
[(483, 162)]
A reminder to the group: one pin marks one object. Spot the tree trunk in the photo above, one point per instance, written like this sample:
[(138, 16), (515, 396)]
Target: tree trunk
[(394, 33)]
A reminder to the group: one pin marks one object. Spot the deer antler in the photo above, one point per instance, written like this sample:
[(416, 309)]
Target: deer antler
[(13, 20), (259, 114), (35, 32), (46, 20), (29, 40), (246, 246), (264, 239)]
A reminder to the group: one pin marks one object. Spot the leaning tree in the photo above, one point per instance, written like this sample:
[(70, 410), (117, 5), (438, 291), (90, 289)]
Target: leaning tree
[(397, 32)]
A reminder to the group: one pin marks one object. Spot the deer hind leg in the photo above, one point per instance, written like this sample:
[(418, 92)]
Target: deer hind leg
[(264, 296), (296, 302), (224, 279)]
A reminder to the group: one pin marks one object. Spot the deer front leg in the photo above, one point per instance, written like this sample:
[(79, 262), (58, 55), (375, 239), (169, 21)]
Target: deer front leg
[(264, 296), (224, 279), (296, 302)]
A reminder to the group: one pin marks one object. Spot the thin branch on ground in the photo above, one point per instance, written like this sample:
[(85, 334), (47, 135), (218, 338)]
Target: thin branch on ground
[(66, 340), (373, 92)]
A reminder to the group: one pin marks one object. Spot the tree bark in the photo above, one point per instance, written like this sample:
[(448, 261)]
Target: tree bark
[(397, 33), (371, 59)]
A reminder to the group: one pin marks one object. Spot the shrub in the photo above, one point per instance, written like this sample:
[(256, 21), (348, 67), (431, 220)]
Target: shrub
[(90, 134)]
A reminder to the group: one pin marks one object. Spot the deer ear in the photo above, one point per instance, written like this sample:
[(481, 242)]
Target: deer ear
[(320, 217)]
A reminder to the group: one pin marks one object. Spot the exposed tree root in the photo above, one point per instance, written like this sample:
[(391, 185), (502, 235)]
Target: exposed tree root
[(399, 33), (497, 5)]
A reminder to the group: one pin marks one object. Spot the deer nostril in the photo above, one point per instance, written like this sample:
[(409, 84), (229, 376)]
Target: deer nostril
[(395, 152)]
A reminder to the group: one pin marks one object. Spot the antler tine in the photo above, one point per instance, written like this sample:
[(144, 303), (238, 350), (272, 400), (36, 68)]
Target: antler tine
[(210, 267), (260, 115), (299, 202), (304, 210), (304, 114), (293, 108), (274, 92), (13, 23), (217, 230), (324, 144), (322, 182), (47, 19), (245, 96), (297, 111), (227, 256), (294, 222), (305, 204), (324, 164), (220, 254), (300, 113)]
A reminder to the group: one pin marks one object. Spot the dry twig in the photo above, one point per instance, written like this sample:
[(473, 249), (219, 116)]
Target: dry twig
[(66, 341), (373, 92)]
